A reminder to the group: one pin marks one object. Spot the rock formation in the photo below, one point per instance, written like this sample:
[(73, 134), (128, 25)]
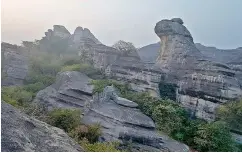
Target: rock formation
[(71, 90), (121, 120), (80, 35), (22, 133), (230, 57), (14, 64), (202, 84)]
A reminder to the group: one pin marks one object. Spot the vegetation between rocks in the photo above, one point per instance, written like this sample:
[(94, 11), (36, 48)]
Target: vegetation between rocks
[(174, 120)]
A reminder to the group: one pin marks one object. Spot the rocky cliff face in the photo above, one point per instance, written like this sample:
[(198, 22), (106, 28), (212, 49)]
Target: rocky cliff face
[(202, 84), (14, 64), (230, 57), (20, 132)]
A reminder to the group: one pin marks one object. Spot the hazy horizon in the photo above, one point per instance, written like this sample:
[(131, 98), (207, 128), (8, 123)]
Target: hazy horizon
[(215, 23)]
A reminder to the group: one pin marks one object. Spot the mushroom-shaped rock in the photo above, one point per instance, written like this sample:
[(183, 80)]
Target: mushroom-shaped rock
[(172, 27), (202, 84), (178, 20)]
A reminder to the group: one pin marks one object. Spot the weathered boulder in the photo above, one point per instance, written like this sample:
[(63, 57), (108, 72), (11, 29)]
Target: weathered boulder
[(71, 90), (202, 84), (14, 64), (22, 133), (121, 120)]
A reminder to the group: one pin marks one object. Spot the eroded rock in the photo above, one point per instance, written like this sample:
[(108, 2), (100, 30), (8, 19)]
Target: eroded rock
[(22, 133), (202, 84), (125, 122), (71, 90), (14, 64)]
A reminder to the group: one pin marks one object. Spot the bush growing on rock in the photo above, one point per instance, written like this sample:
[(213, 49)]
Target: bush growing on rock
[(74, 67), (99, 147), (174, 120), (90, 132), (70, 60), (66, 119)]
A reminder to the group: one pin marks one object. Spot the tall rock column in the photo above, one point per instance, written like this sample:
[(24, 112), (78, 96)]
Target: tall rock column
[(202, 85)]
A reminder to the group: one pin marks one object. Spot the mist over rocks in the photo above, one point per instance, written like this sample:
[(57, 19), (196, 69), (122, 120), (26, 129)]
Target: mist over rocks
[(14, 64), (81, 34)]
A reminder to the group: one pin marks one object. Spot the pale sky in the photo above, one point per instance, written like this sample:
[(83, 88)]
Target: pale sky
[(211, 22)]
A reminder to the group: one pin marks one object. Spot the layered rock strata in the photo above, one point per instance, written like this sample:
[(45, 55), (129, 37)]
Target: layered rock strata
[(202, 84)]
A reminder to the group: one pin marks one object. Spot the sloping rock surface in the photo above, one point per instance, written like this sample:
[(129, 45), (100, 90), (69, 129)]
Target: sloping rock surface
[(14, 64), (22, 133), (120, 118), (123, 122), (72, 89)]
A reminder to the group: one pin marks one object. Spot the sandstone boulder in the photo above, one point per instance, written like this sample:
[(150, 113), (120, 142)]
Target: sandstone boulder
[(22, 133), (71, 90)]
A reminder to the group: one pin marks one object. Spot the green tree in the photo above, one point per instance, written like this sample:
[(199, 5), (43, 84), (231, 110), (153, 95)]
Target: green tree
[(214, 137), (231, 113)]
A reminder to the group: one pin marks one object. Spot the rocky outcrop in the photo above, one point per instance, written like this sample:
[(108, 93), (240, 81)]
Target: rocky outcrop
[(230, 57), (70, 90), (202, 84), (121, 120), (22, 133), (14, 64), (82, 35), (55, 40)]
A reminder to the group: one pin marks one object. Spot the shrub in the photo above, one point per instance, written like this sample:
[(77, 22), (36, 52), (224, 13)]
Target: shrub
[(167, 118), (66, 119), (70, 60), (34, 88), (99, 85), (74, 67), (46, 80), (99, 147), (90, 132), (231, 113), (16, 96), (214, 137)]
